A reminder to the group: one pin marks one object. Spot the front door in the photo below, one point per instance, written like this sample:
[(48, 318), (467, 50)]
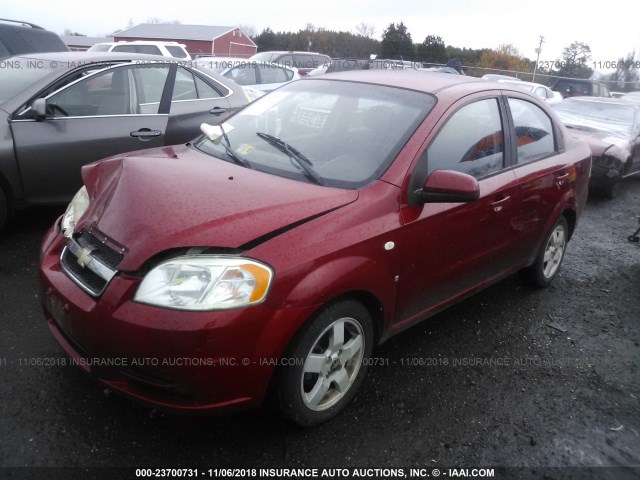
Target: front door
[(97, 116)]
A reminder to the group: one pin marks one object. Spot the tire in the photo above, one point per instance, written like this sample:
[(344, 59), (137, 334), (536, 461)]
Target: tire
[(326, 373), (4, 209), (550, 257), (611, 189)]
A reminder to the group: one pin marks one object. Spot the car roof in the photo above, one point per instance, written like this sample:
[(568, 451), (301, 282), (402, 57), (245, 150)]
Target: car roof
[(76, 58), (294, 51), (423, 81), (616, 101), (520, 82)]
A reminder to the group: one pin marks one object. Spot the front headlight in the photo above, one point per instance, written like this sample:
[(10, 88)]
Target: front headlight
[(205, 282), (76, 208)]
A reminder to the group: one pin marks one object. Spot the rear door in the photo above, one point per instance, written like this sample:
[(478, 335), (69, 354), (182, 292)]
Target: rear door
[(543, 170), (97, 116)]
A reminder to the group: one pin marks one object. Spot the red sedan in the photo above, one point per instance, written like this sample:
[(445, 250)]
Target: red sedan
[(271, 255)]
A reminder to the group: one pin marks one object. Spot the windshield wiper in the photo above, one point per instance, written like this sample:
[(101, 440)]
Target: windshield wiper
[(235, 156), (584, 128), (304, 162)]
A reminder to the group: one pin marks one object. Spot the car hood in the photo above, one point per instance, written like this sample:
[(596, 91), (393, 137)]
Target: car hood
[(600, 142), (176, 197)]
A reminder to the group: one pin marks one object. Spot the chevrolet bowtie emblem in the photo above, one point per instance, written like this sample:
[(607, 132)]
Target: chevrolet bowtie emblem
[(84, 257)]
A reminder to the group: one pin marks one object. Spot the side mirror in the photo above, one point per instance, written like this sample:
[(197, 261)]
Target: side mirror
[(448, 186), (39, 108)]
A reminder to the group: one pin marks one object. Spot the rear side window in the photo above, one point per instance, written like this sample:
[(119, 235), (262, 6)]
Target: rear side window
[(534, 132), (243, 74), (150, 49), (273, 74), (470, 142), (184, 87), (205, 90), (177, 52), (125, 48)]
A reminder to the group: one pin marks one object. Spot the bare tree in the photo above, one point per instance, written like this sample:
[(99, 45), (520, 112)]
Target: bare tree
[(248, 30), (157, 20), (71, 33), (366, 29)]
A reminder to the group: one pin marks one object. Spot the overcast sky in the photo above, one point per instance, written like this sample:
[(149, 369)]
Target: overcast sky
[(610, 28)]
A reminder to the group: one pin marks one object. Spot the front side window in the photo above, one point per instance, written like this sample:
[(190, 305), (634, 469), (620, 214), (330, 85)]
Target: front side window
[(117, 91), (471, 142), (105, 93), (332, 133), (534, 132)]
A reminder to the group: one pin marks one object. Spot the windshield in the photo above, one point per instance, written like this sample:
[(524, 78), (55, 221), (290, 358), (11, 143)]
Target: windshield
[(262, 57), (520, 86), (333, 133), (100, 47), (19, 73), (608, 117)]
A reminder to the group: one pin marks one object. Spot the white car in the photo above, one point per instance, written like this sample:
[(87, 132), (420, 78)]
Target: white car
[(262, 76), (165, 49), (543, 92)]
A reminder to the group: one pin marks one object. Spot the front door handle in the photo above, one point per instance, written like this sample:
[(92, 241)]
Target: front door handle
[(217, 110), (499, 204), (145, 134)]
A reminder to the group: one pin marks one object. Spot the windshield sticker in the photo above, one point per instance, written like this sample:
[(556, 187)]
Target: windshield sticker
[(245, 149)]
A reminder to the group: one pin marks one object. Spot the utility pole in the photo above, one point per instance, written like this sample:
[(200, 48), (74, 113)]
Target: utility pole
[(538, 51)]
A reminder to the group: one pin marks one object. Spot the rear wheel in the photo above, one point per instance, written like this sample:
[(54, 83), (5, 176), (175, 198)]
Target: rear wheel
[(550, 257), (329, 363)]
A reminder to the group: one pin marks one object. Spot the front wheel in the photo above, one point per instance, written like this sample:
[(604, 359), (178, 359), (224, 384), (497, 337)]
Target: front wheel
[(325, 365), (550, 257)]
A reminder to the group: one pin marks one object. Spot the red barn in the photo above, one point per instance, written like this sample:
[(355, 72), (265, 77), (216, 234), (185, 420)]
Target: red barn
[(199, 39)]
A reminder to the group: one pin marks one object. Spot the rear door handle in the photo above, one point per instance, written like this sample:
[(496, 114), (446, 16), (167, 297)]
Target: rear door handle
[(217, 110), (499, 204), (560, 179), (145, 134)]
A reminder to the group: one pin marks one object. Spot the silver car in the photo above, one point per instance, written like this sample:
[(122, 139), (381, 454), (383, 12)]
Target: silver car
[(60, 111)]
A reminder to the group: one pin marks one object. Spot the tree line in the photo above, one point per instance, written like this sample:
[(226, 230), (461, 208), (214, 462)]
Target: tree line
[(396, 43)]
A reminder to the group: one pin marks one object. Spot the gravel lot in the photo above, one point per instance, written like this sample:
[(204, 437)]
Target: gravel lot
[(566, 395)]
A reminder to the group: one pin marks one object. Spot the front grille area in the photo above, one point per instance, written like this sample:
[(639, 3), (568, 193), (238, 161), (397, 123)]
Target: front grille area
[(83, 276), (100, 250), (91, 260)]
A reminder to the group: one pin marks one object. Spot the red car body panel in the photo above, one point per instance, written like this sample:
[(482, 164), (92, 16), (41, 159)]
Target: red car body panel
[(404, 262)]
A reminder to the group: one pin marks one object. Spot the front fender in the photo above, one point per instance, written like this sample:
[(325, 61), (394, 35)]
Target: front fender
[(345, 275)]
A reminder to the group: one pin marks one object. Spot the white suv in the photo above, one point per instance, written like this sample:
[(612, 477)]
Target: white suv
[(166, 49)]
